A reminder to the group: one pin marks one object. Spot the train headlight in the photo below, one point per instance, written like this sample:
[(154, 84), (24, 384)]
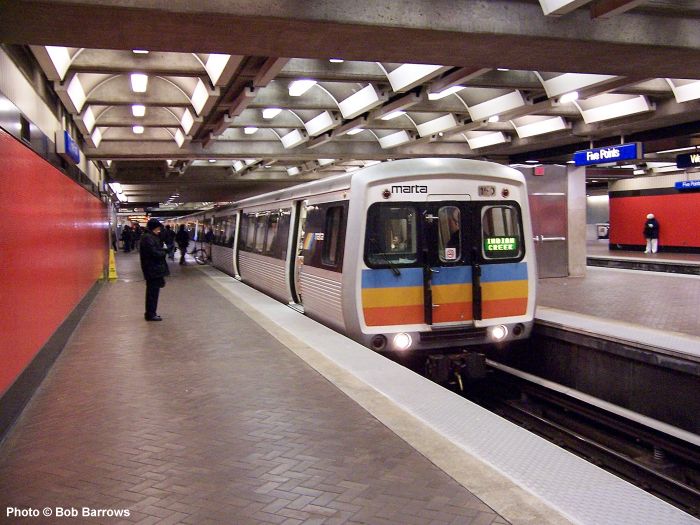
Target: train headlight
[(499, 332), (402, 341)]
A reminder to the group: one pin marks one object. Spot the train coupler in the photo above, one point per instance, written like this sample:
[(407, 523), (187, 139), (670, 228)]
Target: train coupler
[(456, 369)]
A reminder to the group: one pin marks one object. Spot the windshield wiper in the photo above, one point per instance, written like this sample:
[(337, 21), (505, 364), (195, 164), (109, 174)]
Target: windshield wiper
[(373, 242)]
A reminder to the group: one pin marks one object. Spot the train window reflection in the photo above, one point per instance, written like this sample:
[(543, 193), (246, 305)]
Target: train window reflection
[(391, 237), (450, 238)]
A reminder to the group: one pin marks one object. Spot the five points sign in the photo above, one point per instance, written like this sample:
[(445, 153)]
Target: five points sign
[(587, 157)]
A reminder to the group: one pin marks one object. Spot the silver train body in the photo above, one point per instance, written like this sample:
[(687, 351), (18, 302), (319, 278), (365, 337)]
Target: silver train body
[(402, 256)]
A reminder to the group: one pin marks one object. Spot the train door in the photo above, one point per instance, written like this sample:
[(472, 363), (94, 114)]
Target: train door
[(448, 254), (297, 255)]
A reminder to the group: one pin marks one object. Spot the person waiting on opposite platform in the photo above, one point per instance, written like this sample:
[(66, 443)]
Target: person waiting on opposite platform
[(127, 238), (182, 237), (168, 237), (154, 267), (651, 233)]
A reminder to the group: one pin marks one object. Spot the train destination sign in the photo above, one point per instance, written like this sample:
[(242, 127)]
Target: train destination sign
[(500, 244), (630, 151), (688, 160), (66, 147)]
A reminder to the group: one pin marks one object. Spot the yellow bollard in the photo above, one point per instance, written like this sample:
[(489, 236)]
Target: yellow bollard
[(112, 266)]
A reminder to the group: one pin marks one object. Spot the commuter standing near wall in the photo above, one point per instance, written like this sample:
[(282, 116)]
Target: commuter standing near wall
[(651, 233), (154, 267)]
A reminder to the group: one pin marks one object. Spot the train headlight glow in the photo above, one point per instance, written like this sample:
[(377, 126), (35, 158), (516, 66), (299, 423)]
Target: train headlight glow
[(499, 332), (402, 341)]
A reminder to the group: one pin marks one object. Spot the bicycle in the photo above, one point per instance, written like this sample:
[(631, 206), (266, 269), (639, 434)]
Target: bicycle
[(200, 255)]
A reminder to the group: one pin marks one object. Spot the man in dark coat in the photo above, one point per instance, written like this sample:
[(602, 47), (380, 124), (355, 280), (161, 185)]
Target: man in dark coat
[(182, 238), (651, 233), (168, 237), (154, 267)]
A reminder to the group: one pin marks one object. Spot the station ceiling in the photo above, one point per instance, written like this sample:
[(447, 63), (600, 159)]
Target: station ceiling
[(383, 80)]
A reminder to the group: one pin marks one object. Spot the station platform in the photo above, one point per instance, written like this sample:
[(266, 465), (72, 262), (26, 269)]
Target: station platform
[(598, 253), (237, 409)]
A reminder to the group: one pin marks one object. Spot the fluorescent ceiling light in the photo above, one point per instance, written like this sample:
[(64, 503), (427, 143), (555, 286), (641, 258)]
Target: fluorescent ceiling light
[(89, 119), (336, 60), (216, 63), (137, 129), (393, 115), (445, 92), (76, 93), (116, 187), (138, 110), (395, 139), (249, 130), (293, 171), (269, 113), (248, 162), (355, 131), (356, 104), (179, 138), (140, 51), (494, 118), (436, 125), (533, 125), (325, 162), (187, 121), (407, 76), (497, 106), (677, 150), (199, 97), (483, 139), (569, 82), (299, 87), (60, 57), (502, 69), (139, 82), (609, 106), (568, 97), (321, 123), (638, 172), (96, 137), (212, 160), (238, 166), (685, 90), (293, 139)]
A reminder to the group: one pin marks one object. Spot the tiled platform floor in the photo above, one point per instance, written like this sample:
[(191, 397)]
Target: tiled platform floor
[(666, 302), (204, 418)]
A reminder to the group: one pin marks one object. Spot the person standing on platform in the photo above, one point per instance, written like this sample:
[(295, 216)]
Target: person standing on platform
[(168, 237), (651, 233), (154, 267), (182, 237), (126, 238)]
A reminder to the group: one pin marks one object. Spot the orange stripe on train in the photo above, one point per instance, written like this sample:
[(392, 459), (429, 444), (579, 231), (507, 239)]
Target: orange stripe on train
[(452, 312), (503, 308), (394, 315)]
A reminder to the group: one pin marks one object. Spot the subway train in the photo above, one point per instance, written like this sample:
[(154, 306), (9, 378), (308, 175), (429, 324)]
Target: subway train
[(409, 256)]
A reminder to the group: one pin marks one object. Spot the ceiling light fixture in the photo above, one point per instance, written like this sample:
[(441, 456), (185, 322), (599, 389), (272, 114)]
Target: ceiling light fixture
[(249, 130), (140, 51), (355, 131), (299, 87), (393, 115), (138, 130), (139, 82), (494, 118), (269, 113), (138, 110), (444, 92), (568, 97), (336, 60)]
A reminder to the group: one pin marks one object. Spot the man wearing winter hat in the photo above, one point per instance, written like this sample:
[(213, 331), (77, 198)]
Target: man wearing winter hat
[(651, 233), (154, 267)]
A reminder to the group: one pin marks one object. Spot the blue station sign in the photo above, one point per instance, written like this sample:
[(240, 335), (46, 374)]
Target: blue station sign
[(688, 160), (688, 185), (66, 147), (588, 157)]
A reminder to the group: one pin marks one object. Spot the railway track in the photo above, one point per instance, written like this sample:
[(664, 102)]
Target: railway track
[(664, 465)]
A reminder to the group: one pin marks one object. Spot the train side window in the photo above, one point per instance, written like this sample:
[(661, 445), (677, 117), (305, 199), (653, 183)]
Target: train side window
[(272, 228), (279, 248), (450, 233), (391, 237), (331, 235), (229, 232), (250, 232), (500, 226), (260, 229)]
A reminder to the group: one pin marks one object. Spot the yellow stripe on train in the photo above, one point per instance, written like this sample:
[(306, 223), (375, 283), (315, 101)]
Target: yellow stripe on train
[(392, 296), (452, 293), (504, 290)]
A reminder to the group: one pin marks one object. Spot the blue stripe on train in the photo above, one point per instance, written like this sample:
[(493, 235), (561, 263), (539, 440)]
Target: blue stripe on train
[(452, 275), (504, 272), (387, 279)]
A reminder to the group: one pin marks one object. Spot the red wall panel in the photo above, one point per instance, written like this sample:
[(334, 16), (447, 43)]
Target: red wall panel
[(54, 247), (678, 216)]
